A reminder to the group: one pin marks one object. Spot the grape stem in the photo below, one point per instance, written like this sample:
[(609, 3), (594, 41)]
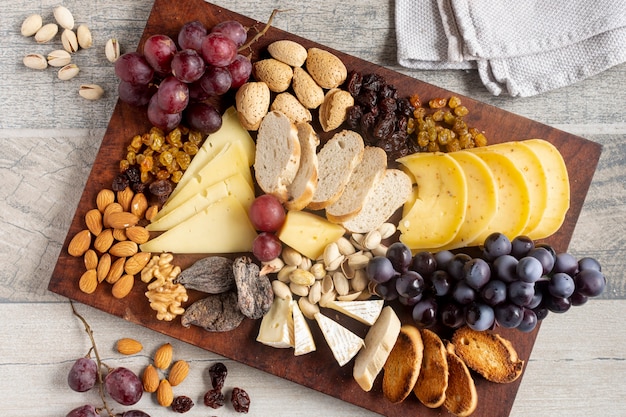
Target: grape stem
[(263, 31), (101, 364)]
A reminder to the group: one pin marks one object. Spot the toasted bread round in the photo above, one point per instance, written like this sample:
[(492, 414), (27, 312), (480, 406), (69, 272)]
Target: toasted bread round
[(461, 396), (489, 354), (301, 190), (403, 364), (432, 382)]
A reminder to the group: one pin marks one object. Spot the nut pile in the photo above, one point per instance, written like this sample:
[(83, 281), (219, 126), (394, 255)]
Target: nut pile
[(165, 297)]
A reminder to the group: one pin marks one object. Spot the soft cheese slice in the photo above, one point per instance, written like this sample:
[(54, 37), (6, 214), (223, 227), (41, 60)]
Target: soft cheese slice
[(438, 210), (342, 342), (277, 325), (558, 188), (379, 341), (229, 161), (302, 337), (235, 185), (365, 311), (308, 233), (513, 197), (482, 199), (222, 227), (230, 131)]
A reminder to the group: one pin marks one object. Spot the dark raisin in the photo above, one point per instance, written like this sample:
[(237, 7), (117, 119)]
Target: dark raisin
[(355, 80), (217, 373), (120, 182), (353, 116), (139, 187), (214, 398), (182, 404), (133, 173), (388, 91), (373, 82), (405, 107), (367, 99), (385, 126), (388, 105), (240, 400)]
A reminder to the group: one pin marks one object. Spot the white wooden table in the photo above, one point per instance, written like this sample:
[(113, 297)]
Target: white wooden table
[(49, 137)]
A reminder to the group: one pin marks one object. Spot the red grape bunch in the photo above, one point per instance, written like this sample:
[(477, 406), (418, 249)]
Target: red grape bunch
[(175, 81)]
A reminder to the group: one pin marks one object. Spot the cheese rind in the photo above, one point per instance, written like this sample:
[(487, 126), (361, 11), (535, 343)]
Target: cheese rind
[(342, 342), (308, 233), (302, 337), (365, 311)]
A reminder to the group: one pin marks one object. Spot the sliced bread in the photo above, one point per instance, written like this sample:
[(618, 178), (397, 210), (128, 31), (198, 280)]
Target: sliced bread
[(489, 354), (461, 396), (382, 200), (337, 159), (403, 364), (364, 177), (432, 381), (277, 157), (301, 190)]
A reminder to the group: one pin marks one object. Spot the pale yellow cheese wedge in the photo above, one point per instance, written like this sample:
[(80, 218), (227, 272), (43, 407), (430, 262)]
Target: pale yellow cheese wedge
[(557, 178), (222, 227), (482, 199), (365, 311), (277, 326), (342, 342), (235, 185), (438, 210), (303, 342), (534, 174), (513, 198), (308, 233)]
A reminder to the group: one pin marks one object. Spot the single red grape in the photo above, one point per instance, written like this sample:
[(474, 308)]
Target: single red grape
[(266, 246), (187, 65), (203, 117), (191, 35), (240, 70), (173, 95), (266, 213), (233, 29), (159, 118), (218, 49), (159, 51), (133, 67)]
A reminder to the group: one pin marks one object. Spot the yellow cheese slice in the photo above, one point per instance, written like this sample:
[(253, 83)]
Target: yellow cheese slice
[(229, 161), (222, 227), (438, 210), (365, 311), (342, 342), (308, 233), (557, 178), (302, 337), (230, 131), (513, 198), (277, 325), (531, 168), (482, 199), (235, 185)]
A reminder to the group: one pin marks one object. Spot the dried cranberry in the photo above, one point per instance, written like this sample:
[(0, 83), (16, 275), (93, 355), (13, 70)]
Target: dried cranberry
[(218, 372), (240, 400), (182, 404), (120, 182), (214, 398)]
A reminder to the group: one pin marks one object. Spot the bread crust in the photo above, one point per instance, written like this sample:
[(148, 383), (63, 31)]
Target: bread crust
[(432, 381), (461, 396), (301, 190), (403, 365)]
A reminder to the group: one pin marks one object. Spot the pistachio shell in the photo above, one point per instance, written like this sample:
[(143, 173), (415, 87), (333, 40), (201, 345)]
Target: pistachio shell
[(84, 36), (59, 58), (31, 25), (64, 17), (112, 50), (68, 72), (35, 61), (69, 40), (90, 91), (46, 33)]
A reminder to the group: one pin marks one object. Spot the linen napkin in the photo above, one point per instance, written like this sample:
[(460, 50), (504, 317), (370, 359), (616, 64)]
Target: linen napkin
[(523, 47)]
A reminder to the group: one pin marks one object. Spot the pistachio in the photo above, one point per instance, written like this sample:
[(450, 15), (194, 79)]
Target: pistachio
[(70, 43), (31, 25), (387, 230), (46, 33), (112, 50), (84, 37), (372, 240), (64, 17), (35, 61), (90, 91), (68, 72), (59, 58)]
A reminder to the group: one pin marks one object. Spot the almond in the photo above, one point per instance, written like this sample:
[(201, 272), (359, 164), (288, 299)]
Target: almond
[(306, 89), (136, 263), (103, 241), (150, 379), (334, 109), (124, 197), (163, 356), (128, 346), (139, 205), (124, 249), (122, 220), (110, 209), (104, 198), (116, 271), (93, 220), (80, 243), (289, 52), (88, 281), (178, 373), (151, 212), (277, 75), (326, 69), (120, 235), (164, 393), (289, 105), (104, 265), (123, 286), (91, 259), (138, 234), (252, 101)]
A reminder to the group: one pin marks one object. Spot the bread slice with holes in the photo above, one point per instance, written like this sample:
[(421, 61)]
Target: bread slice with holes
[(300, 191), (277, 157), (337, 159), (432, 381), (489, 354), (382, 200), (461, 396), (403, 364), (364, 177)]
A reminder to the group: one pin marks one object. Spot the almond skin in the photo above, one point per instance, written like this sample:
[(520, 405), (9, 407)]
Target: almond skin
[(163, 356), (277, 75), (125, 197), (123, 286), (104, 198), (124, 249), (136, 263), (93, 220), (116, 271), (80, 243), (164, 394), (103, 241), (150, 379), (306, 89), (289, 52), (122, 220), (138, 234), (178, 373), (128, 346), (252, 101), (326, 69), (88, 281)]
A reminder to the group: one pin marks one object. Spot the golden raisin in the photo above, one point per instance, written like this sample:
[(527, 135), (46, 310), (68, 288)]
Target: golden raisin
[(454, 102), (415, 101), (176, 176), (438, 103), (461, 111), (183, 160)]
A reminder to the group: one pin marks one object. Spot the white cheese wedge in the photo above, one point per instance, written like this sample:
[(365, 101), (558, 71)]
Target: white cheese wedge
[(235, 185), (342, 342), (230, 131), (222, 227), (277, 326), (379, 341), (302, 337), (365, 311), (229, 161), (308, 233)]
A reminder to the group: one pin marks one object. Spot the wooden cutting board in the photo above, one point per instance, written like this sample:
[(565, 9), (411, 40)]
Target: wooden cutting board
[(317, 370)]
